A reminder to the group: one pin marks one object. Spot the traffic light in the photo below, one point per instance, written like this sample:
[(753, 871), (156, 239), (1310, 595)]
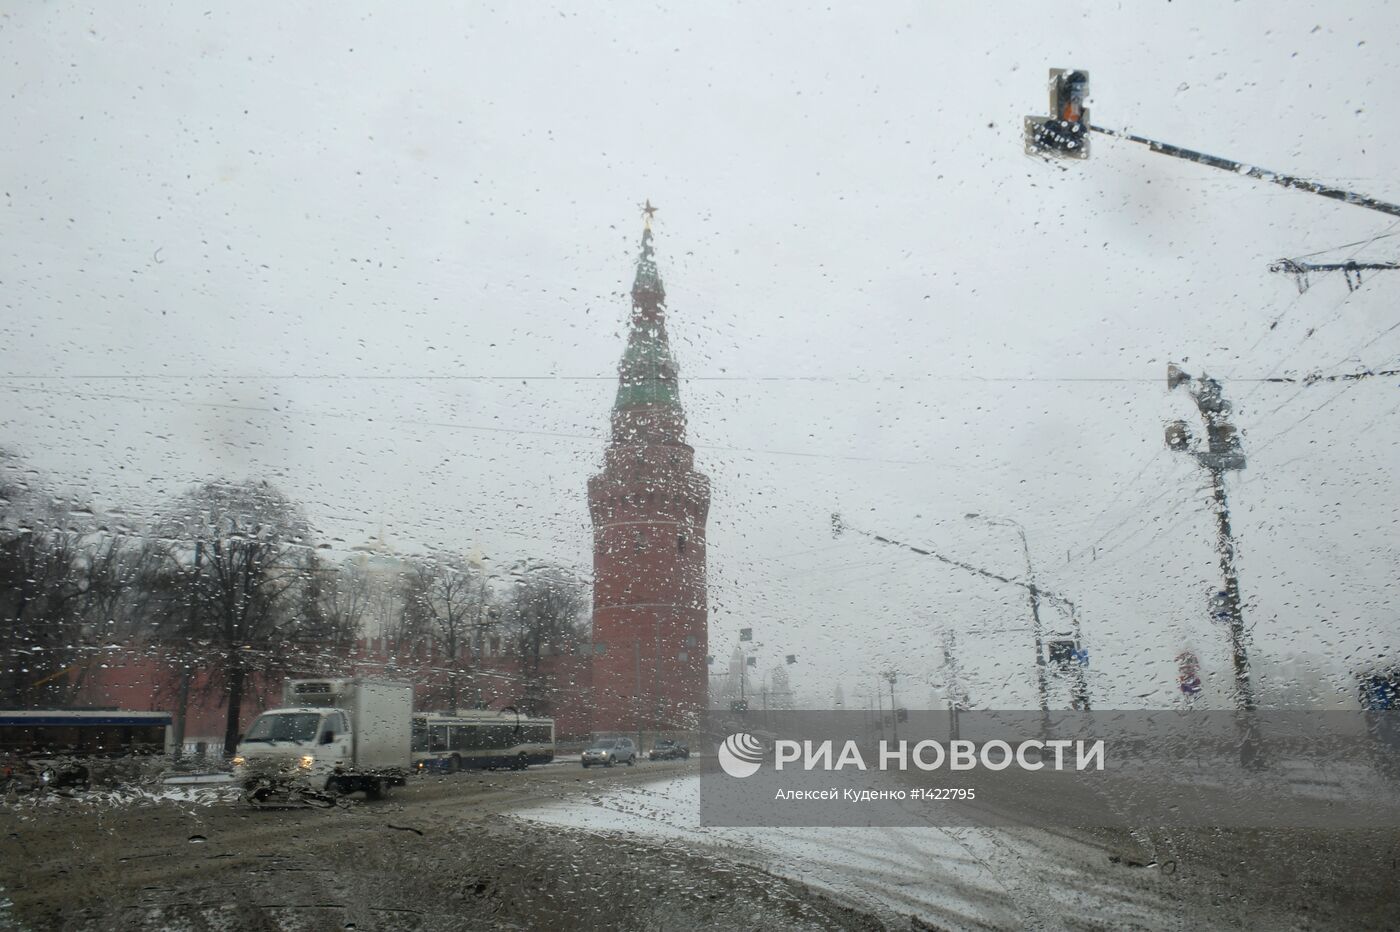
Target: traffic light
[(1178, 436), (1065, 132)]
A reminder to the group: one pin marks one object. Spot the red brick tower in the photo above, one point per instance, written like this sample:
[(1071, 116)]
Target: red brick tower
[(649, 505)]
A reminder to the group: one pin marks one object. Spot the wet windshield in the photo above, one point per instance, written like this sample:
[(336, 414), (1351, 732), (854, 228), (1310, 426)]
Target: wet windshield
[(711, 465), (290, 726)]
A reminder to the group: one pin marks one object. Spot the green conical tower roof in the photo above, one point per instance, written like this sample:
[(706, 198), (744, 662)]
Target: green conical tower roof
[(647, 374)]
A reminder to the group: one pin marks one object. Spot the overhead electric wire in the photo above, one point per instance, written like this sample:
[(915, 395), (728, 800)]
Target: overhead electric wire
[(313, 414), (1286, 431), (1388, 231), (817, 379), (1122, 487), (1137, 518), (1362, 242), (1351, 379), (1181, 519)]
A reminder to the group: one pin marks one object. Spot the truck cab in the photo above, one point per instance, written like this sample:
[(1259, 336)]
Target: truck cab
[(309, 743), (332, 735)]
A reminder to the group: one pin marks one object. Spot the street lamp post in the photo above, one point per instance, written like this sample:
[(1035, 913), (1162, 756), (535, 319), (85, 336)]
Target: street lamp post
[(880, 708), (1041, 679), (891, 676), (487, 617)]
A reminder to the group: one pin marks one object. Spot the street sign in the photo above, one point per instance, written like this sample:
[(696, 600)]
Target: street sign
[(1220, 607), (1066, 653), (1188, 673), (1380, 692)]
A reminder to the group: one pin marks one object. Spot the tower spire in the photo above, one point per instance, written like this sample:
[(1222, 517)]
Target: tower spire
[(648, 294), (648, 389)]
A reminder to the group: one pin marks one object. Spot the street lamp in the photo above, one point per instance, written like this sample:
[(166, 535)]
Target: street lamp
[(891, 675), (487, 617), (1041, 681)]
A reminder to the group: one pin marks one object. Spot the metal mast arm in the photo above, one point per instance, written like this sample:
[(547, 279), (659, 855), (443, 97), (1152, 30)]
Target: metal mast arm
[(1253, 171)]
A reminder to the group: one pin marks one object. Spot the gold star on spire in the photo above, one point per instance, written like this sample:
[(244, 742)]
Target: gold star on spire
[(649, 213)]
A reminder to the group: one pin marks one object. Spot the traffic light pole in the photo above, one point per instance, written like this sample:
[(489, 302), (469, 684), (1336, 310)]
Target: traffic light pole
[(1064, 134), (1042, 679), (1080, 699), (1036, 595)]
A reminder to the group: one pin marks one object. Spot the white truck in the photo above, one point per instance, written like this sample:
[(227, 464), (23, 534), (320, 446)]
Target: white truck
[(332, 736)]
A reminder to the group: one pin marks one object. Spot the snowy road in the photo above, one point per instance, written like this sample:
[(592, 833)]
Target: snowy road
[(981, 878)]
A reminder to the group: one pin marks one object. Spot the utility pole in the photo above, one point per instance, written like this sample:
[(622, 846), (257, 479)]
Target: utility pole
[(1220, 455)]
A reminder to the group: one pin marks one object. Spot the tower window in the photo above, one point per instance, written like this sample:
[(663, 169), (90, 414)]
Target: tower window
[(680, 544)]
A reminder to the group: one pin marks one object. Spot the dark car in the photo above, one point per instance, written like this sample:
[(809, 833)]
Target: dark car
[(669, 750)]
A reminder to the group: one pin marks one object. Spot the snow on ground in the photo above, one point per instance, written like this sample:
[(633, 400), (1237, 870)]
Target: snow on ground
[(959, 878), (206, 794)]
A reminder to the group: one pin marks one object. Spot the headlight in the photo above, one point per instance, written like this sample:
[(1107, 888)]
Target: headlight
[(306, 761)]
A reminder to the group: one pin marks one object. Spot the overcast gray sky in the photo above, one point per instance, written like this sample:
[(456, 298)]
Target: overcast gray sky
[(220, 221)]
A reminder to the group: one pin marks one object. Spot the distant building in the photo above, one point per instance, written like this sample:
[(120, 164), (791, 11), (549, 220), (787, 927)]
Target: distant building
[(733, 686), (383, 572), (778, 691), (649, 508)]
